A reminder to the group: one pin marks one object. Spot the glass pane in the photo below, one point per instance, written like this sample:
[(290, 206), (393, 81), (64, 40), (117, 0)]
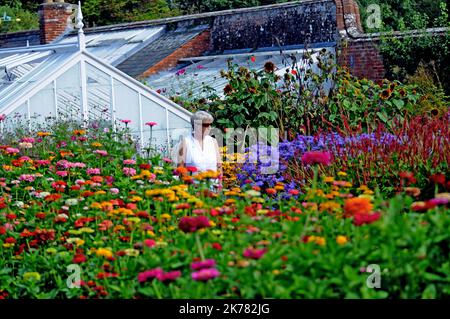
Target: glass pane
[(127, 107), (18, 118), (177, 127), (152, 112), (42, 106), (99, 95), (68, 91)]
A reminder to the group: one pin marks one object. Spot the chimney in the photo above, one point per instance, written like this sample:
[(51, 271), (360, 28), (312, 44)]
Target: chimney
[(55, 19)]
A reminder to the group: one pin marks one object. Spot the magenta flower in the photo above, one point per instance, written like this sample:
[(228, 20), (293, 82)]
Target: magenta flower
[(26, 177), (125, 121), (150, 243), (151, 124), (150, 274), (180, 72), (208, 263), (254, 253), (27, 140), (361, 219), (205, 274), (169, 276), (316, 157), (2, 117), (190, 224), (128, 171)]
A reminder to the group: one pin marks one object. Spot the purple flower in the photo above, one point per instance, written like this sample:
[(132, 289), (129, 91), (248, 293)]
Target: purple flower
[(150, 274)]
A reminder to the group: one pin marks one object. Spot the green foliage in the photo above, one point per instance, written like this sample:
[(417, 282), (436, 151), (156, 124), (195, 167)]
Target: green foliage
[(20, 19), (404, 14)]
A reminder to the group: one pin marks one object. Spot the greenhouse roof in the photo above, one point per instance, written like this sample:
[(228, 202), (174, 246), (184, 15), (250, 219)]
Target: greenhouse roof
[(197, 76)]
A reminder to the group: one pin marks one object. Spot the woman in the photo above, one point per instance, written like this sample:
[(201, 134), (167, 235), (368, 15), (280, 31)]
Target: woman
[(198, 149)]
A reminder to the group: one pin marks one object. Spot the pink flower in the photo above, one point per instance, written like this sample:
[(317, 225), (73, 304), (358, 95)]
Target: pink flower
[(128, 171), (125, 121), (150, 243), (316, 157), (26, 177), (151, 124), (205, 274), (62, 173), (114, 191), (2, 117), (167, 160), (208, 263), (27, 140), (150, 274), (129, 162), (254, 253), (101, 152), (11, 150), (93, 171)]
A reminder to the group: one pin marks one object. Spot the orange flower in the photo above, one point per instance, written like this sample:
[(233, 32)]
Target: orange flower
[(357, 206), (181, 170)]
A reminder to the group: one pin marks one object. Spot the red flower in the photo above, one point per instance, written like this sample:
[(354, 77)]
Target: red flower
[(361, 219), (408, 176), (168, 276), (438, 179), (149, 243), (217, 246), (316, 157), (271, 191), (11, 216), (145, 166), (192, 224), (191, 169), (294, 192), (79, 258), (2, 230), (10, 240), (151, 124), (253, 59), (294, 72)]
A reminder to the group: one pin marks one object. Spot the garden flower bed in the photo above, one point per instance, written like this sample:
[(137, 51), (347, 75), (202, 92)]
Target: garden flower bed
[(82, 201)]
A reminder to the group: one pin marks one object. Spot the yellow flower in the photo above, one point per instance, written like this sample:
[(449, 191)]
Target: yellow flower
[(342, 174), (100, 192), (166, 216), (328, 179), (32, 276), (86, 230), (8, 245), (341, 240), (104, 252), (150, 233), (42, 134), (96, 144), (275, 272)]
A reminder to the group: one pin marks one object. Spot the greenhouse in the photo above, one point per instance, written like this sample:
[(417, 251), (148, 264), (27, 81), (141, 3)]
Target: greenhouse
[(65, 81)]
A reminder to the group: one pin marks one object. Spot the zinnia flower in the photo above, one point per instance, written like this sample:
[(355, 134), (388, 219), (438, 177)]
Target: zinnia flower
[(208, 263), (205, 274), (361, 219), (254, 253), (151, 124), (190, 224), (316, 157), (357, 206)]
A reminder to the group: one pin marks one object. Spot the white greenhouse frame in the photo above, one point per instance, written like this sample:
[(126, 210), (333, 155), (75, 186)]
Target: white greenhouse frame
[(66, 56)]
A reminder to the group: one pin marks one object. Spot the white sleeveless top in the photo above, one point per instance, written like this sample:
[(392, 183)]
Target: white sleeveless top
[(204, 159)]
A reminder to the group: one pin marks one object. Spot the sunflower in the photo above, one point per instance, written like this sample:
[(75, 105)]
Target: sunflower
[(228, 89), (385, 94), (434, 112), (269, 67)]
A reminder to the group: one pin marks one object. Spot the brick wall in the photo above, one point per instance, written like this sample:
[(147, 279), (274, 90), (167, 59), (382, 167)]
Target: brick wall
[(362, 58), (55, 18), (195, 47), (360, 54)]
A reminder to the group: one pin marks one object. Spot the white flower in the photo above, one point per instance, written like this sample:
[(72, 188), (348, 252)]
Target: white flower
[(71, 202), (63, 216), (19, 204), (43, 194)]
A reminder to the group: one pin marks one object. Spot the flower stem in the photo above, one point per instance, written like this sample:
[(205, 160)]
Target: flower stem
[(199, 246)]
